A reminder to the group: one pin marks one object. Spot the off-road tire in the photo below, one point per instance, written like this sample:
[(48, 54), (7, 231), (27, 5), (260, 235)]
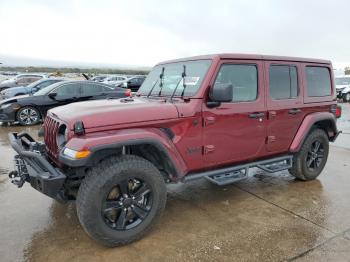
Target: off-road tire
[(31, 122), (346, 97), (299, 168), (96, 185)]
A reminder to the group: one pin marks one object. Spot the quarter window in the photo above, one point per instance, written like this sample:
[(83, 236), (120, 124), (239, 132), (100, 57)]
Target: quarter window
[(318, 81), (243, 78), (283, 82)]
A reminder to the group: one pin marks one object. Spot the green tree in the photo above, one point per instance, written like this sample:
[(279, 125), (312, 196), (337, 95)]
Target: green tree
[(347, 70)]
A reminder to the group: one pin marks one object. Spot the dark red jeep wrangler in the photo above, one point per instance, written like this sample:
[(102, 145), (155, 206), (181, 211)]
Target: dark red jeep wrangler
[(212, 117)]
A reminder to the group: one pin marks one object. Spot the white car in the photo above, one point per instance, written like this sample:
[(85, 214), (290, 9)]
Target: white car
[(343, 87), (114, 80)]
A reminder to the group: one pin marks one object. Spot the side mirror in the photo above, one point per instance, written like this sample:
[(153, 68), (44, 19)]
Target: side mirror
[(52, 95), (221, 93)]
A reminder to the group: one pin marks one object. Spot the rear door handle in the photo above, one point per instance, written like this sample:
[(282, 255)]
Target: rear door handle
[(294, 111), (256, 115)]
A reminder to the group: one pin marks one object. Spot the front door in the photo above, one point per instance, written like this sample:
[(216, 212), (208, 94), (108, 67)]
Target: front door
[(236, 131)]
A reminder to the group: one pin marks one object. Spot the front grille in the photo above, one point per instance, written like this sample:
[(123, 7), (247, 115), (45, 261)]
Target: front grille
[(51, 129)]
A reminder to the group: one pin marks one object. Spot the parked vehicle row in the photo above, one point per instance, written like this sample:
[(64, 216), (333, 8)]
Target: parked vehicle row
[(132, 83), (32, 108)]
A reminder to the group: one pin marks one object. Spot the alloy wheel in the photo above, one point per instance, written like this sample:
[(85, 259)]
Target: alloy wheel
[(127, 204), (315, 155), (28, 116)]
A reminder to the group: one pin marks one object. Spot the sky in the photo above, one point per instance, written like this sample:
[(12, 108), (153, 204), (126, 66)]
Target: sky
[(142, 33)]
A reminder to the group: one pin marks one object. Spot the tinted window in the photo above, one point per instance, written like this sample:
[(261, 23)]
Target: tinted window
[(69, 90), (283, 82), (94, 89), (318, 81), (244, 79)]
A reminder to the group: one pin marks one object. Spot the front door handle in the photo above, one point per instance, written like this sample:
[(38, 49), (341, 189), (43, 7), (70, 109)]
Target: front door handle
[(256, 115), (294, 111)]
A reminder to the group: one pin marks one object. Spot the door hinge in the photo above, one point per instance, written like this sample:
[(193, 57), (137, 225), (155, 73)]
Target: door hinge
[(270, 139), (208, 149), (209, 120)]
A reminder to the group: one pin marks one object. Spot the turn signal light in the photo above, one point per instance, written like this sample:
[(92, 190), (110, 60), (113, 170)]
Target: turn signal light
[(76, 154)]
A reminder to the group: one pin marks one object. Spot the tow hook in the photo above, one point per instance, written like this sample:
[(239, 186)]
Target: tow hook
[(16, 179)]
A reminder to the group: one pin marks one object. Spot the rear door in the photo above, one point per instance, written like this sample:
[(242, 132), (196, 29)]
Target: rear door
[(236, 131), (284, 104)]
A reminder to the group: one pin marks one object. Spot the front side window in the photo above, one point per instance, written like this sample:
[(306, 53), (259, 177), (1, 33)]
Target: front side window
[(243, 78), (318, 81), (283, 82)]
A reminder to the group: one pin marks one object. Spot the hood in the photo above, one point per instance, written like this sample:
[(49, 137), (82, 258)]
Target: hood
[(13, 99), (111, 112), (6, 82), (341, 86), (15, 89)]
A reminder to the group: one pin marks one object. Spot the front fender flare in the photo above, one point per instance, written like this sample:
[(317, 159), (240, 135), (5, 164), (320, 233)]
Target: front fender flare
[(306, 126), (96, 142)]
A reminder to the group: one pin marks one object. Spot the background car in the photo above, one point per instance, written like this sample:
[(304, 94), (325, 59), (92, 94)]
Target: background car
[(133, 83), (114, 80), (30, 109), (343, 87), (98, 78), (20, 80), (29, 89)]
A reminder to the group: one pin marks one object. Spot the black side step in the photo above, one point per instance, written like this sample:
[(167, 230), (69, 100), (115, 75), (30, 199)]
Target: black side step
[(228, 175)]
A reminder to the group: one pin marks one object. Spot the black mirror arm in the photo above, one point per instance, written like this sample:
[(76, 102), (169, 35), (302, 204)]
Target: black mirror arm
[(212, 104)]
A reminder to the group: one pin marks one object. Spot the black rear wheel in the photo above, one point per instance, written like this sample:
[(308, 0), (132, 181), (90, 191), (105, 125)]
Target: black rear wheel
[(309, 162), (121, 199)]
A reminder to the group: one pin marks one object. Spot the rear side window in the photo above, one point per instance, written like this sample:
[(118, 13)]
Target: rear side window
[(244, 79), (318, 81), (283, 82)]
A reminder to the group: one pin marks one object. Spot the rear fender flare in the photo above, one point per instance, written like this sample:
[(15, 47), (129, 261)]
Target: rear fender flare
[(308, 123)]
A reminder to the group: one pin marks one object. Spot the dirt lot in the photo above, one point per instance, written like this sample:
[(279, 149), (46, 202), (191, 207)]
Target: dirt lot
[(265, 218)]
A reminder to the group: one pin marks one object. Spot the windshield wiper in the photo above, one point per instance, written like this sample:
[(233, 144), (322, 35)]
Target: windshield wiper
[(160, 78), (183, 75), (161, 84)]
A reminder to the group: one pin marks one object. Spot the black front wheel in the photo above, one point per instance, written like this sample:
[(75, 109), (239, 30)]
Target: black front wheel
[(309, 162), (120, 199)]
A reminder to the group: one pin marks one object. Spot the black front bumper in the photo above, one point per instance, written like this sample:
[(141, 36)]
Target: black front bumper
[(32, 166)]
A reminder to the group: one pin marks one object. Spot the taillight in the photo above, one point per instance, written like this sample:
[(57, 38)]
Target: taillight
[(127, 92), (336, 110)]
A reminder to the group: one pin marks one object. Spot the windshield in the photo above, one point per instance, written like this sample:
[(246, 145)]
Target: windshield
[(46, 90), (342, 81), (195, 73)]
